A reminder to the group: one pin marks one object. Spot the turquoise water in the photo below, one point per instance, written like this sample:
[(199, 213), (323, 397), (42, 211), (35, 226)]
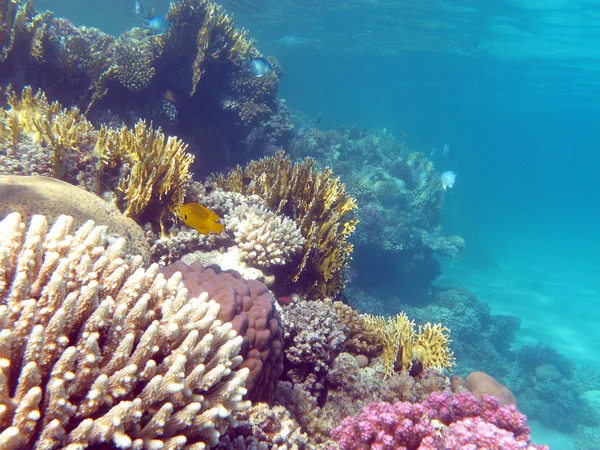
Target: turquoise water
[(513, 87)]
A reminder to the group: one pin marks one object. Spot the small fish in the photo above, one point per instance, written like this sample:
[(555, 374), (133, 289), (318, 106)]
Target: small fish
[(447, 151), (448, 178), (433, 152), (318, 118), (157, 25), (139, 8), (200, 218), (403, 134), (260, 67)]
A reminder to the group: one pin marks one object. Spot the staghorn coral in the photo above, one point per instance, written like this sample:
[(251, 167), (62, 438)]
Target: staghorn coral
[(321, 208), (264, 238), (41, 195), (250, 307), (410, 350), (51, 132), (98, 351), (152, 168)]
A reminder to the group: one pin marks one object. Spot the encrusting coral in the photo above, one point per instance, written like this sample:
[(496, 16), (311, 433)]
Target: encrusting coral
[(318, 203), (95, 350), (404, 347)]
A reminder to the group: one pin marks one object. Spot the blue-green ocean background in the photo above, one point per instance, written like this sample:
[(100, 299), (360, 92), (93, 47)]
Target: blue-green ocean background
[(513, 87)]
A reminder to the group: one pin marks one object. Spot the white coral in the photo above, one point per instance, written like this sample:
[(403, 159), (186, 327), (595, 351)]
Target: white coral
[(97, 351), (264, 238)]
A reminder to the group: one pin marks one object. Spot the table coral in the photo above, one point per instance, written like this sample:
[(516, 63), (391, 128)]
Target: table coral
[(441, 422), (98, 352)]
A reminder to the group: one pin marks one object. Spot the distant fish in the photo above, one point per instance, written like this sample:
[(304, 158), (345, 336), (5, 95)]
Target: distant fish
[(157, 25), (319, 117), (448, 178), (433, 152), (403, 134), (292, 39), (447, 151), (139, 8), (260, 67), (200, 218)]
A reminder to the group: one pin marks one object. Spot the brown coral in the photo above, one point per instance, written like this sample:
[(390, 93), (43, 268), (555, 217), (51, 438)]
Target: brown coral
[(250, 307), (97, 351), (321, 208), (479, 383)]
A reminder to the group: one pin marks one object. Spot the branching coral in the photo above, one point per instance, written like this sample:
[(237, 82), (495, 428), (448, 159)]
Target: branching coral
[(96, 350), (321, 208), (403, 346), (152, 167), (32, 119), (264, 238)]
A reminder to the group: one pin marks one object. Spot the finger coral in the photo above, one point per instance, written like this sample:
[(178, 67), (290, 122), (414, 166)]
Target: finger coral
[(403, 345), (250, 307), (97, 351), (323, 212), (264, 238)]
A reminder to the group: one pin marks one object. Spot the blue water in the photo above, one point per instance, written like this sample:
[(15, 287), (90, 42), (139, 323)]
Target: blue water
[(513, 87)]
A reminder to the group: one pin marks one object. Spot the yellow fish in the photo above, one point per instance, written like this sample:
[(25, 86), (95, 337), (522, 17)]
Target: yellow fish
[(200, 218)]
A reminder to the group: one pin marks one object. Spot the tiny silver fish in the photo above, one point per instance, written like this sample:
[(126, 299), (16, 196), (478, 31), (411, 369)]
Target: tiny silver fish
[(139, 8)]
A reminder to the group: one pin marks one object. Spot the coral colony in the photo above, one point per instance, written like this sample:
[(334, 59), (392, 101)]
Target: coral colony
[(121, 327)]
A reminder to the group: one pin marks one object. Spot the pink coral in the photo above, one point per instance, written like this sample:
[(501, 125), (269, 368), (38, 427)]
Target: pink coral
[(442, 421)]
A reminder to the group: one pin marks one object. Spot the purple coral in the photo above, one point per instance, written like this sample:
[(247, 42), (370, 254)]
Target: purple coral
[(443, 421)]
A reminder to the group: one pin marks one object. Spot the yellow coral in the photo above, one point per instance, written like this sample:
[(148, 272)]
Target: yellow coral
[(32, 117), (402, 345), (318, 203), (153, 167)]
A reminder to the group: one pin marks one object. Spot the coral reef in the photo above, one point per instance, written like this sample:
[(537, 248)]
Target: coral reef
[(321, 208), (479, 383), (193, 80), (442, 421), (250, 308), (46, 196), (98, 351), (141, 167), (400, 199)]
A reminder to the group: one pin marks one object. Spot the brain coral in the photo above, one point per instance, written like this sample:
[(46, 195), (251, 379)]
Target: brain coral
[(250, 307), (29, 195), (480, 383)]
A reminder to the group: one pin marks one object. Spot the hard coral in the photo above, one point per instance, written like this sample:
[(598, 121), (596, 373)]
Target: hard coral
[(150, 167), (404, 347), (41, 195), (441, 422), (97, 351), (321, 208), (250, 307), (264, 238)]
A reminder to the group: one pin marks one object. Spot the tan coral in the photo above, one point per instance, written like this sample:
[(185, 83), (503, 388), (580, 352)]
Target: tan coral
[(41, 195), (263, 238), (318, 203), (403, 345), (152, 167), (97, 351), (32, 119)]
